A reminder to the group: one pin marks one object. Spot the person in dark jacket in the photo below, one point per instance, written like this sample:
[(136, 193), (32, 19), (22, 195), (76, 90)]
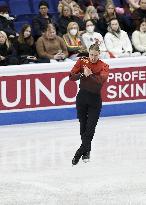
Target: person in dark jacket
[(139, 13), (41, 20), (25, 47), (92, 74), (7, 23), (65, 18), (7, 52)]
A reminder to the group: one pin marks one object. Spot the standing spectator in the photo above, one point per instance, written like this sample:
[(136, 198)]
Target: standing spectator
[(90, 37), (7, 52), (51, 46), (139, 37), (73, 41), (117, 41), (41, 20)]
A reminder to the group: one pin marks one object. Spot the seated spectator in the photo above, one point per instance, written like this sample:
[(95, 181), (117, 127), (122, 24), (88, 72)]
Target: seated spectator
[(133, 4), (41, 20), (90, 37), (7, 52), (6, 23), (139, 38), (110, 13), (139, 13), (91, 13), (64, 3), (73, 42), (66, 17), (25, 47), (51, 46), (99, 5), (118, 42), (76, 10)]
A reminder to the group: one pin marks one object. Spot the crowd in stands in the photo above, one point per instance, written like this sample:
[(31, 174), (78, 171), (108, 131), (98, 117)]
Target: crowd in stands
[(119, 27)]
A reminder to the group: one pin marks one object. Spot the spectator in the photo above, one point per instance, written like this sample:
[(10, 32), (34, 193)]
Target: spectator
[(25, 47), (139, 38), (7, 52), (6, 22), (110, 13), (91, 13), (90, 37), (41, 20), (64, 3), (51, 46), (76, 10), (73, 41), (99, 5), (67, 17), (139, 13), (118, 42), (133, 4)]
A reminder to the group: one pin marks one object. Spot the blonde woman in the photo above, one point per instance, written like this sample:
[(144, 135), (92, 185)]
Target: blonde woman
[(73, 41), (7, 52), (91, 14)]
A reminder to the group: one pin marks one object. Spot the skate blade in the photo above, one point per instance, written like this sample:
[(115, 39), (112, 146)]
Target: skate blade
[(86, 160)]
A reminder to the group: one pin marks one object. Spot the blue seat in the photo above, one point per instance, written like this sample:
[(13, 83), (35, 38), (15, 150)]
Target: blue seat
[(3, 3), (18, 25), (19, 7), (25, 17)]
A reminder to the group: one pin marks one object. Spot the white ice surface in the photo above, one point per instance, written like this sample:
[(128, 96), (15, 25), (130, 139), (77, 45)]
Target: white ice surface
[(35, 164)]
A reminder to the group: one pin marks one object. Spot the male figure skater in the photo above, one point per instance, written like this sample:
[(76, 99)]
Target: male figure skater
[(92, 73)]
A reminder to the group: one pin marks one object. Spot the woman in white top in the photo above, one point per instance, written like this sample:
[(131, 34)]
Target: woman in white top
[(118, 42), (139, 37), (90, 37)]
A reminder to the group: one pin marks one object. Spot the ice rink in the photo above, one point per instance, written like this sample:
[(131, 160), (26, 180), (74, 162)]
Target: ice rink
[(35, 164)]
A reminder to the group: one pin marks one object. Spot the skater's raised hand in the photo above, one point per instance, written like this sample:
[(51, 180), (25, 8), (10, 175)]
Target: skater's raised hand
[(87, 71)]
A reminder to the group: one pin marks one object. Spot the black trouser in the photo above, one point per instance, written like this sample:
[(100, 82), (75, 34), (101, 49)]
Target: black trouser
[(88, 110)]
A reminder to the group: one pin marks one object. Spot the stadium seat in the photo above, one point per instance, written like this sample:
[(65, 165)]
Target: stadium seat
[(3, 3), (18, 25), (19, 7), (25, 17)]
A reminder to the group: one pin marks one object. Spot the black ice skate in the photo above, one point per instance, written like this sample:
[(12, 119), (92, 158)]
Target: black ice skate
[(77, 157), (86, 157)]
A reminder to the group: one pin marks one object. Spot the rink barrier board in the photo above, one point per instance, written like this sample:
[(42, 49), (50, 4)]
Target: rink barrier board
[(68, 113), (125, 97)]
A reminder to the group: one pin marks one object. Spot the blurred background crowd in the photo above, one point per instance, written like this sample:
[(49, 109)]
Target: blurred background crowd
[(34, 31)]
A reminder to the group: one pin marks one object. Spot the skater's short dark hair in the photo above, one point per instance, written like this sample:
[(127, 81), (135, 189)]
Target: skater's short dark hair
[(95, 47)]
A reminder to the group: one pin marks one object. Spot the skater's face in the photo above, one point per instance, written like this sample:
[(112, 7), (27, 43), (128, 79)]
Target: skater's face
[(93, 55)]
